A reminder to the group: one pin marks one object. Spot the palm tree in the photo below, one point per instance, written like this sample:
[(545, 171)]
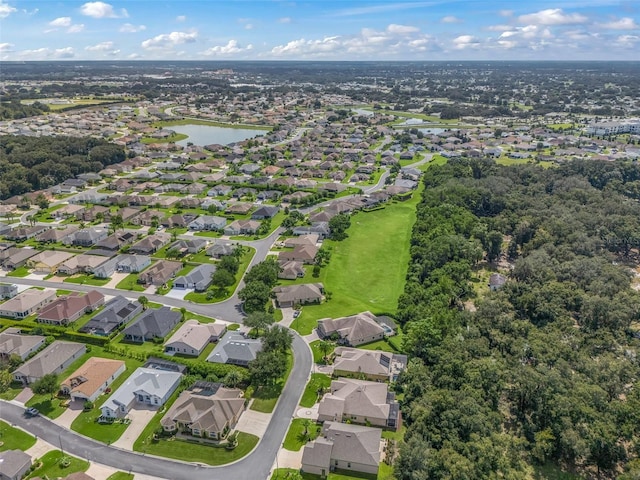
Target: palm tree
[(232, 379), (144, 301), (183, 313), (306, 423), (325, 347)]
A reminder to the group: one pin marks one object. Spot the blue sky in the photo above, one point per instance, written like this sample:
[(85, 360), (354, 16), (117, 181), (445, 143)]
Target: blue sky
[(320, 30)]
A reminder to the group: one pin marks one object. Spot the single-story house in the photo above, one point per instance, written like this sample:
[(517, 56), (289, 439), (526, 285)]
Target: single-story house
[(192, 337), (374, 365), (69, 308), (53, 359), (207, 222), (92, 378), (26, 303), (310, 239), (301, 253), (147, 386), (242, 227), (16, 257), (496, 281), (8, 290), (360, 401), (12, 343), (209, 412), (132, 263), (153, 323), (343, 446), (160, 273), (48, 261), (290, 270), (235, 349), (151, 244), (221, 248), (14, 465), (354, 330), (54, 235), (191, 245), (84, 263), (292, 295), (25, 233), (265, 211), (199, 278), (116, 241), (117, 312), (88, 237)]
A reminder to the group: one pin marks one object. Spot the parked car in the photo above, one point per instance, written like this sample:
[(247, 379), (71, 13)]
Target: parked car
[(31, 412)]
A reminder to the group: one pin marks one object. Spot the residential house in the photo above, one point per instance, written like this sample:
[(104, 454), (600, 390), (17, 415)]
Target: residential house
[(235, 349), (360, 401), (188, 246), (85, 263), (242, 227), (69, 308), (292, 295), (318, 228), (207, 223), (160, 273), (300, 253), (15, 257), (117, 312), (311, 239), (127, 214), (290, 270), (53, 359), (206, 410), (496, 281), (92, 214), (48, 261), (374, 365), (21, 233), (92, 379), (14, 465), (354, 330), (181, 221), (192, 337), (12, 343), (199, 278), (54, 235), (145, 386), (116, 241), (151, 244), (148, 218), (221, 248), (132, 263), (107, 268), (26, 303), (8, 290), (343, 446), (88, 237), (265, 211), (4, 228), (152, 324)]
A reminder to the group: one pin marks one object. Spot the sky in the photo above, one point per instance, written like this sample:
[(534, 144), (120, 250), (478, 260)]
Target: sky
[(320, 30)]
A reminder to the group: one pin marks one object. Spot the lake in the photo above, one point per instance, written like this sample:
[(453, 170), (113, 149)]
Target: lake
[(206, 134)]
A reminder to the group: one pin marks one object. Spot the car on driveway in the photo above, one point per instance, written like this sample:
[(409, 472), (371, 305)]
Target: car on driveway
[(31, 412)]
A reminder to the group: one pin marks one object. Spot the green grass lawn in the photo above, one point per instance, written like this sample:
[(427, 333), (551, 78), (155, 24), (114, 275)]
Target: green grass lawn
[(120, 476), (130, 282), (14, 438), (12, 392), (317, 353), (367, 270), (296, 439), (200, 318), (385, 473), (84, 279), (265, 398), (310, 394), (51, 467), (382, 345), (19, 272)]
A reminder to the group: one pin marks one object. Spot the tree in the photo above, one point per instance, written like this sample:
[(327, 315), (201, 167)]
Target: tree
[(229, 263), (306, 423), (183, 314), (144, 301), (232, 379), (222, 279), (117, 222), (277, 338), (493, 245), (46, 384), (255, 296), (5, 380), (42, 201), (172, 253), (325, 347), (268, 367), (259, 320)]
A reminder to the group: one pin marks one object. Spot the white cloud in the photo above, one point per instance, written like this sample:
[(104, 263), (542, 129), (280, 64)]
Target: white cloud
[(77, 28), (499, 28), (552, 16), (134, 56), (284, 20), (181, 18), (625, 23), (101, 10), (6, 47), (230, 48), (46, 53), (465, 41), (248, 26), (167, 40), (100, 47), (6, 9), (401, 29), (628, 41), (505, 13), (130, 28), (64, 52), (61, 22), (450, 19)]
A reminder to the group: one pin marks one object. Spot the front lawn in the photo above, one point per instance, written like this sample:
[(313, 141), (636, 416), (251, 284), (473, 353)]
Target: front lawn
[(121, 476), (14, 438), (12, 392), (130, 282), (19, 272), (318, 355), (84, 279), (367, 270), (296, 439), (53, 467), (310, 394)]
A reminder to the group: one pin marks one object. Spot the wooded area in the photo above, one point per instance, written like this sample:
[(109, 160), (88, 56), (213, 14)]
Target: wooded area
[(544, 370), (34, 163)]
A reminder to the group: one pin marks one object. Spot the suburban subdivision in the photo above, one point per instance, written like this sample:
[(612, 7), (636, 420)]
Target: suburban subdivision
[(387, 271)]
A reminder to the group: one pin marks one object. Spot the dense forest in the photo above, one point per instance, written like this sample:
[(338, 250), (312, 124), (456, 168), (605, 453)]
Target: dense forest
[(538, 374), (12, 109), (34, 163)]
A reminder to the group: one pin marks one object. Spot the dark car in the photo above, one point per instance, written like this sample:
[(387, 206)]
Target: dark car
[(31, 412)]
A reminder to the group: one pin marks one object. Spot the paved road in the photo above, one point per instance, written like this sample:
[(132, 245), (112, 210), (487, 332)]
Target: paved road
[(256, 465)]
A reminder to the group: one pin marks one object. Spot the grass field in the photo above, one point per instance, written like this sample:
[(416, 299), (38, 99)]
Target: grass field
[(19, 272), (367, 270), (52, 468), (120, 476), (84, 279), (296, 439), (194, 121), (319, 354), (310, 394), (14, 438), (130, 282)]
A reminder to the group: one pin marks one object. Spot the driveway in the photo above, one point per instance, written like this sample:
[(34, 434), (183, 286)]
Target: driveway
[(70, 414), (116, 278), (254, 422), (178, 293), (287, 317), (308, 412), (140, 416), (24, 396), (289, 459)]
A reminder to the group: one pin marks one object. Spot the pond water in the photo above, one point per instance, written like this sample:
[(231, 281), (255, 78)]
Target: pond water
[(206, 134)]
